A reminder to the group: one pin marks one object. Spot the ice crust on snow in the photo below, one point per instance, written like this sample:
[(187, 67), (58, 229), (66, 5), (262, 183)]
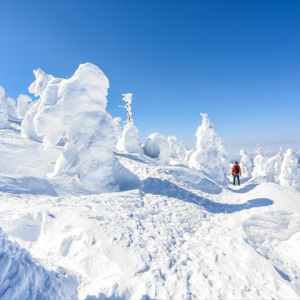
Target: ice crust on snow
[(21, 277), (129, 140), (245, 164), (73, 112), (157, 147), (209, 153)]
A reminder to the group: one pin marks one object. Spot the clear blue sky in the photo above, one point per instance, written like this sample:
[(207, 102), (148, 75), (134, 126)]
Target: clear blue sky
[(239, 61)]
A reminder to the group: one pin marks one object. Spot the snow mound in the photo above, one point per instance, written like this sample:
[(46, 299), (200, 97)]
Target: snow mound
[(208, 156), (23, 105), (245, 164), (22, 278), (157, 147), (72, 112)]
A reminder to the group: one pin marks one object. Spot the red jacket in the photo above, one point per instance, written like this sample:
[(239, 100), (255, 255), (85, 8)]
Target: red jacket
[(233, 170)]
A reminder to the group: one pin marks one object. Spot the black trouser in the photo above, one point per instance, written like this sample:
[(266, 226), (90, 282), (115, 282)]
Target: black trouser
[(238, 179)]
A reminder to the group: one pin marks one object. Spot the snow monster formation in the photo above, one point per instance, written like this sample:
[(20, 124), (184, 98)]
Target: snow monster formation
[(7, 108), (181, 151), (157, 147), (290, 171), (72, 112), (209, 153), (260, 161), (172, 140), (245, 164), (23, 105), (273, 167), (3, 109), (129, 140)]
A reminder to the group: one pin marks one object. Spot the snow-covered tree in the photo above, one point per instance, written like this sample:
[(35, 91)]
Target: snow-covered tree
[(3, 109), (224, 157), (173, 146), (245, 164), (157, 147), (260, 160), (129, 140), (28, 128), (7, 107), (74, 111), (290, 172), (181, 151), (23, 104), (273, 167), (207, 157)]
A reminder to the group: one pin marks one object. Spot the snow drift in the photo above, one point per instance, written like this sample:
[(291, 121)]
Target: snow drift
[(72, 112), (208, 156), (21, 277)]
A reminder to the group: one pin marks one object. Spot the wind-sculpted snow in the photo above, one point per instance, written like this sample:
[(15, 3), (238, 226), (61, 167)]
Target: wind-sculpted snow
[(21, 277), (273, 167), (3, 109), (290, 171), (129, 140), (245, 164), (71, 112), (23, 105), (157, 147), (209, 153), (260, 161)]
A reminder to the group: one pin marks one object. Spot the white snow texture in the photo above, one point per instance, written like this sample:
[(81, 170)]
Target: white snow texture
[(208, 156)]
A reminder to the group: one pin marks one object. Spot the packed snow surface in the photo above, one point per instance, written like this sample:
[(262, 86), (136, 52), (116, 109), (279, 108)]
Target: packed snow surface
[(176, 234)]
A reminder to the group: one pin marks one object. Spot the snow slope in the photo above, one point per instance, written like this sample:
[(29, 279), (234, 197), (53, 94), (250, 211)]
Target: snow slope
[(178, 235)]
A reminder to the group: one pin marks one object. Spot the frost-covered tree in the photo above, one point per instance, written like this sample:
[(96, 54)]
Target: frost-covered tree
[(172, 140), (290, 172), (23, 104), (224, 157), (245, 164), (157, 147), (273, 167), (181, 151), (207, 157), (7, 107), (260, 160), (37, 88), (3, 109), (74, 111), (129, 140)]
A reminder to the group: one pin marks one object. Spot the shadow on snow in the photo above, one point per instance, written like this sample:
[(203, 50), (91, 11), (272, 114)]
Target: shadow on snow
[(160, 187)]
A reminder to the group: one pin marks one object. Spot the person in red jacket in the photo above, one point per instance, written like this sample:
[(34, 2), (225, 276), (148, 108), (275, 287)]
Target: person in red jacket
[(236, 172)]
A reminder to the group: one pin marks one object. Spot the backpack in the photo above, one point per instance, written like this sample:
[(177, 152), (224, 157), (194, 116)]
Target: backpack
[(236, 169)]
